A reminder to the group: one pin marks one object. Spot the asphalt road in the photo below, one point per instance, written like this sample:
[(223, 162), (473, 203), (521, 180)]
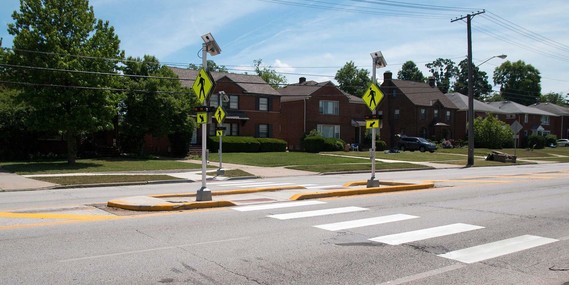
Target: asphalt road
[(500, 225)]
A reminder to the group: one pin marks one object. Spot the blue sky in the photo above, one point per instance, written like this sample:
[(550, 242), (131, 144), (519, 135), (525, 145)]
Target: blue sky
[(314, 39)]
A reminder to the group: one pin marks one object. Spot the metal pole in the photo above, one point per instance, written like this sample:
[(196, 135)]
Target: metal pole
[(372, 182), (220, 171), (203, 193), (470, 96)]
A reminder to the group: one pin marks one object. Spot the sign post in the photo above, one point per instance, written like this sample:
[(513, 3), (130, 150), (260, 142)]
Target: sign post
[(516, 127), (220, 116), (203, 86), (372, 97)]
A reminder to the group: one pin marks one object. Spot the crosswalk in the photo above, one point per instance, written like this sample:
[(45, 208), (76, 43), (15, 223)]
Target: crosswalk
[(468, 255)]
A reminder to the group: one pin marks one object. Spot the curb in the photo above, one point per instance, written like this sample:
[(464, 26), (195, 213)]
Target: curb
[(361, 191), (169, 206)]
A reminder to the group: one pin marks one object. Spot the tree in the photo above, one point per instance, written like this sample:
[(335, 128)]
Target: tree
[(489, 132), (211, 66), (520, 82), (155, 104), (481, 85), (555, 98), (62, 56), (410, 71), (268, 74), (443, 70), (352, 80)]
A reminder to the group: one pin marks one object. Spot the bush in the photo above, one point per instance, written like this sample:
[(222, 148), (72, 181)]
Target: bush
[(272, 145), (313, 144), (550, 140), (537, 140), (380, 145), (246, 144), (234, 144), (490, 132)]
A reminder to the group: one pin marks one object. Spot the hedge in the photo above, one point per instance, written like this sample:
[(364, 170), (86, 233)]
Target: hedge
[(246, 144)]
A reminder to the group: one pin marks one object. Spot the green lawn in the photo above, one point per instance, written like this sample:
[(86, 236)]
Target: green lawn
[(95, 165), (98, 179)]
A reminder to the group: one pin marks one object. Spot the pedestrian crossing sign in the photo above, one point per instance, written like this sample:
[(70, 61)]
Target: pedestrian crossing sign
[(203, 85), (372, 96), (201, 118), (219, 114), (372, 124)]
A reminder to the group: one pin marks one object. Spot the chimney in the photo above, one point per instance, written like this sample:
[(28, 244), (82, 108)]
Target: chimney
[(301, 80), (387, 76), (432, 81)]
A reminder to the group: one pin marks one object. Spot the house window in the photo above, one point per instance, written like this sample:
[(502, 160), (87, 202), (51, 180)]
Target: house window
[(424, 132), (329, 107), (393, 93), (545, 120), (510, 116), (329, 131), (234, 129), (447, 116), (263, 104), (263, 130), (396, 114), (423, 114), (526, 118), (436, 113), (233, 102)]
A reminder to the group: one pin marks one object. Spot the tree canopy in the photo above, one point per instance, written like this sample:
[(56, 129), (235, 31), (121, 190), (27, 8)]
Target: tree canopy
[(481, 85), (352, 80), (211, 66), (520, 82), (62, 56), (444, 71), (410, 71), (268, 74)]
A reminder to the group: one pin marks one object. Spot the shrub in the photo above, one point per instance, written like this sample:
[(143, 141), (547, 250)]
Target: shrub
[(490, 132), (272, 145), (313, 143), (380, 145), (537, 140), (550, 140), (234, 144)]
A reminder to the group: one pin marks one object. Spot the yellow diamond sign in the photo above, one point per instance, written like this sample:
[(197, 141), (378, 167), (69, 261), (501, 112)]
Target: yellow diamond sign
[(203, 86), (219, 133), (219, 114), (373, 96)]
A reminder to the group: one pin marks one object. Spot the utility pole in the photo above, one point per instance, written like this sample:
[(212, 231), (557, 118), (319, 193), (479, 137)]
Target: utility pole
[(470, 86)]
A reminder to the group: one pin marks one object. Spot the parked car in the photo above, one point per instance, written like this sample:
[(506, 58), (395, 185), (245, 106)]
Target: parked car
[(563, 142), (416, 143)]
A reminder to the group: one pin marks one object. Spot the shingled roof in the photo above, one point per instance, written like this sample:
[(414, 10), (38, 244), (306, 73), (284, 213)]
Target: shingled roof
[(551, 108), (249, 83), (461, 102), (422, 94), (515, 108), (301, 90)]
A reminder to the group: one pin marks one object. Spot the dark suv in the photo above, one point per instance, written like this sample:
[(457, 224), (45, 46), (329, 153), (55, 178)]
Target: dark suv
[(416, 143)]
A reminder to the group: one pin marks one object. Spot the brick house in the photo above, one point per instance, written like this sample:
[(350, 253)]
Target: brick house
[(559, 125), (415, 109), (252, 106), (533, 120), (481, 109), (309, 105)]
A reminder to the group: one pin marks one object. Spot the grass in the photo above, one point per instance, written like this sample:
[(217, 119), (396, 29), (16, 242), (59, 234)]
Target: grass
[(275, 159), (356, 167), (99, 179), (95, 165), (232, 173)]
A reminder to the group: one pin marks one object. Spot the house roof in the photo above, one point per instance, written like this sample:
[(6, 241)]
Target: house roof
[(461, 102), (249, 83), (300, 91), (515, 108), (551, 108), (422, 94)]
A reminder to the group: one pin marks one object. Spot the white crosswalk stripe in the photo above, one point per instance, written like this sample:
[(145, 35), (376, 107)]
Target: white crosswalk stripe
[(411, 236), (365, 222), (316, 213), (496, 249), (277, 205)]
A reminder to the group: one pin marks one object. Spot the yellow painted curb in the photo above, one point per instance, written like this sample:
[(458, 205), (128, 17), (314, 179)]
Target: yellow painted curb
[(361, 191), (231, 192), (170, 206)]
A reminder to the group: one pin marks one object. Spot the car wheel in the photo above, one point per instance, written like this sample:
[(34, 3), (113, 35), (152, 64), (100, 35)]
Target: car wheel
[(422, 149)]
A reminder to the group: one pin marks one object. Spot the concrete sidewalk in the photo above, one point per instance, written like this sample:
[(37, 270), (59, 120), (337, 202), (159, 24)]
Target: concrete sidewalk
[(14, 182)]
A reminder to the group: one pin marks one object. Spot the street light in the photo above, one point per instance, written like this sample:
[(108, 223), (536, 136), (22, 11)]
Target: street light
[(502, 56), (209, 46), (378, 61)]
